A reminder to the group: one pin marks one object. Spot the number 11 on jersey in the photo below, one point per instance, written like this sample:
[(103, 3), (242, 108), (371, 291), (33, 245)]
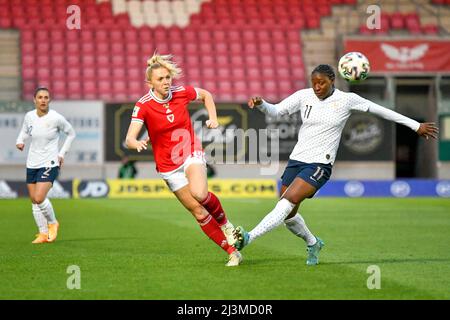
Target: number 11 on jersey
[(307, 111)]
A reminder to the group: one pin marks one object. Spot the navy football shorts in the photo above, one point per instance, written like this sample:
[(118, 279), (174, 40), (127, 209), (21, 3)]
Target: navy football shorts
[(48, 174), (316, 174)]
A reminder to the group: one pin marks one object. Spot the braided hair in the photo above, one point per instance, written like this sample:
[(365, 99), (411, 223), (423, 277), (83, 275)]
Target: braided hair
[(325, 69)]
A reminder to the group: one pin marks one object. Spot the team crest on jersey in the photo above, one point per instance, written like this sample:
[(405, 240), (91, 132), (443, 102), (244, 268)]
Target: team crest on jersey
[(170, 117), (136, 111)]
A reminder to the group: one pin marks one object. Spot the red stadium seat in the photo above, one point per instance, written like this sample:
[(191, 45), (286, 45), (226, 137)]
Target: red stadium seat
[(43, 75), (28, 73), (104, 74), (88, 61), (6, 22), (235, 48), (59, 74), (26, 36), (118, 73), (209, 73), (430, 29), (73, 60), (72, 36), (101, 36), (88, 48), (73, 48), (134, 61), (135, 74), (60, 93), (74, 74), (86, 35), (59, 48), (397, 21), (132, 48), (208, 61), (253, 73), (117, 48), (252, 39), (89, 74), (223, 73), (74, 91), (251, 61), (89, 89), (27, 48), (58, 61), (28, 61), (238, 73), (225, 87)]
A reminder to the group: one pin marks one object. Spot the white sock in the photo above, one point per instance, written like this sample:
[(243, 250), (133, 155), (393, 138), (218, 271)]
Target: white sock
[(297, 226), (273, 219), (41, 222), (47, 210)]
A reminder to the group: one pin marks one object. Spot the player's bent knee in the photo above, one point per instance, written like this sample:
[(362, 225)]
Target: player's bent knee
[(38, 199), (294, 198), (199, 195)]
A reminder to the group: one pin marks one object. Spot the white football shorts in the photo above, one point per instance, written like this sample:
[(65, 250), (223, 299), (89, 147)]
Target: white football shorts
[(177, 179)]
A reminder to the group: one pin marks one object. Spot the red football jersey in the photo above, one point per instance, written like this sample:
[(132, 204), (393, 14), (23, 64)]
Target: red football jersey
[(169, 126)]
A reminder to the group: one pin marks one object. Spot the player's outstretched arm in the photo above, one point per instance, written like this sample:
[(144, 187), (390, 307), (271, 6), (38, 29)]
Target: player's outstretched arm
[(210, 106), (287, 106), (263, 106), (254, 102), (131, 141), (427, 130)]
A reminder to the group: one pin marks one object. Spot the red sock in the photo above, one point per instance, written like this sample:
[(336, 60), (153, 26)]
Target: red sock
[(212, 229), (213, 206)]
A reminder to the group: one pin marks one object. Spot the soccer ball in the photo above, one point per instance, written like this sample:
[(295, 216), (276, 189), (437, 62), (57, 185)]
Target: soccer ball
[(354, 67)]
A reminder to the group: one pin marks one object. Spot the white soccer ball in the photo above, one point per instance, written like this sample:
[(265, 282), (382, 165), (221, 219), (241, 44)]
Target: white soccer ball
[(354, 67)]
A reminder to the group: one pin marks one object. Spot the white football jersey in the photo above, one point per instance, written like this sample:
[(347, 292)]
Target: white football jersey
[(324, 121), (44, 133)]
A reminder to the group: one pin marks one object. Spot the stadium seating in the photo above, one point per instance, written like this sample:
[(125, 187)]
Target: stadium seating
[(218, 43), (397, 21)]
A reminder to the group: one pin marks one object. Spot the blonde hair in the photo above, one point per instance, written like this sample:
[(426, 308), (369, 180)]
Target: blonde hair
[(162, 61)]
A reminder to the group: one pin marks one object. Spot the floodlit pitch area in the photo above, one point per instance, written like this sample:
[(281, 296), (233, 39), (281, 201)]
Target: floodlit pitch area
[(153, 249)]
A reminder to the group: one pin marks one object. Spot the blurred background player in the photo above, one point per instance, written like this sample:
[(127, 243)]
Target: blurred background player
[(178, 154), (44, 161), (324, 111), (128, 169)]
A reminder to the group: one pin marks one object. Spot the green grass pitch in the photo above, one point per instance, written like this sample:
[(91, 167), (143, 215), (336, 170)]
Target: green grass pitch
[(153, 249)]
